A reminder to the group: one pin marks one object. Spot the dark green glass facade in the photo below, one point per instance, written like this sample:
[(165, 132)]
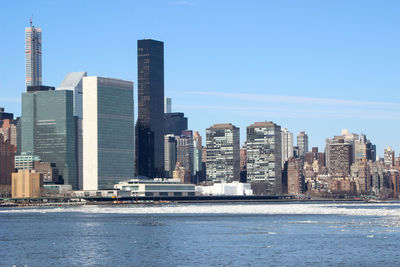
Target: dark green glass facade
[(115, 132), (48, 130)]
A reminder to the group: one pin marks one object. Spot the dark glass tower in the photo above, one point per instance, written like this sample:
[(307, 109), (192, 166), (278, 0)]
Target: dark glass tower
[(150, 123), (175, 123)]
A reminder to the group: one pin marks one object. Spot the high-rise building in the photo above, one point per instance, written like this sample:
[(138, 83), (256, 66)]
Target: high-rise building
[(287, 145), (108, 132), (389, 157), (264, 157), (223, 153), (170, 154), (364, 149), (197, 152), (9, 131), (340, 158), (48, 129), (150, 124), (314, 155), (33, 55), (74, 82), (5, 116), (346, 137), (295, 176), (175, 123), (302, 143), (184, 150), (6, 166), (167, 105)]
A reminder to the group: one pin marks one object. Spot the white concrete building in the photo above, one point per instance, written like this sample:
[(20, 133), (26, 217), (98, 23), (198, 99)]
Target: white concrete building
[(226, 189)]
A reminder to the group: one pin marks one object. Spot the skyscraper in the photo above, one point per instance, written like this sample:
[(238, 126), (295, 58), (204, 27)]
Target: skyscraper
[(197, 152), (175, 123), (150, 123), (287, 145), (48, 129), (6, 165), (264, 157), (74, 82), (223, 153), (184, 150), (302, 143), (340, 158), (170, 154), (33, 55), (167, 105), (108, 132)]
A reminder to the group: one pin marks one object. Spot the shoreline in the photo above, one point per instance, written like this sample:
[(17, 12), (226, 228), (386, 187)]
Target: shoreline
[(59, 202)]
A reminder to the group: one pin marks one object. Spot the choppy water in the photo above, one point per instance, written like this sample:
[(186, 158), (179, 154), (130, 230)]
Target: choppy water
[(271, 234)]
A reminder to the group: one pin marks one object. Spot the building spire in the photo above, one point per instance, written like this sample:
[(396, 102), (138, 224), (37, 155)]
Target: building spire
[(30, 20)]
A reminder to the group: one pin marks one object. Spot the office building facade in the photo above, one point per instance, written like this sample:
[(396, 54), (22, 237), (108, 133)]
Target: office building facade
[(388, 156), (302, 143), (184, 150), (167, 105), (48, 130), (74, 82), (108, 132), (264, 157), (150, 124), (223, 153), (170, 154), (175, 123), (340, 158), (197, 152), (6, 166), (287, 145)]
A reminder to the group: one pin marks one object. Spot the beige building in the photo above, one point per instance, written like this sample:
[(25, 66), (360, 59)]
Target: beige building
[(26, 184), (181, 173)]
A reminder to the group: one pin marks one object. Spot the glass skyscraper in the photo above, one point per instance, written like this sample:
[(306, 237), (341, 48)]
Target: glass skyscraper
[(108, 132), (150, 123), (73, 82), (48, 129), (33, 56)]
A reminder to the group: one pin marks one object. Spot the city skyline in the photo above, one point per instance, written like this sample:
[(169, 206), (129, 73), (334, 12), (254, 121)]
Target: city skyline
[(364, 69)]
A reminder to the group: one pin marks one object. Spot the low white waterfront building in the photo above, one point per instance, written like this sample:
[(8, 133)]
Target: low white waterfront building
[(226, 189), (157, 187), (58, 188)]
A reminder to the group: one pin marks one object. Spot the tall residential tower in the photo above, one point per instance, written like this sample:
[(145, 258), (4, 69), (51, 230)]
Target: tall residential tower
[(33, 55)]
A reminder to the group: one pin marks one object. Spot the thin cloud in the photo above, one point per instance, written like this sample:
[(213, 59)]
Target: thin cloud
[(295, 112), (295, 99)]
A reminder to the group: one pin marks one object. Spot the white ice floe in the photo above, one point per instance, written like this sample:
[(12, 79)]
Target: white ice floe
[(351, 209)]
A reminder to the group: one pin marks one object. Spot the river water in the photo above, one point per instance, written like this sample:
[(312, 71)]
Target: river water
[(240, 234)]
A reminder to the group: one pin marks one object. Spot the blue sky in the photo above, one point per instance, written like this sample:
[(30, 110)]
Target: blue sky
[(317, 66)]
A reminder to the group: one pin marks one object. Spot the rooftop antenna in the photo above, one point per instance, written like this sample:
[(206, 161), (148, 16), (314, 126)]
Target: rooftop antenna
[(30, 21)]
